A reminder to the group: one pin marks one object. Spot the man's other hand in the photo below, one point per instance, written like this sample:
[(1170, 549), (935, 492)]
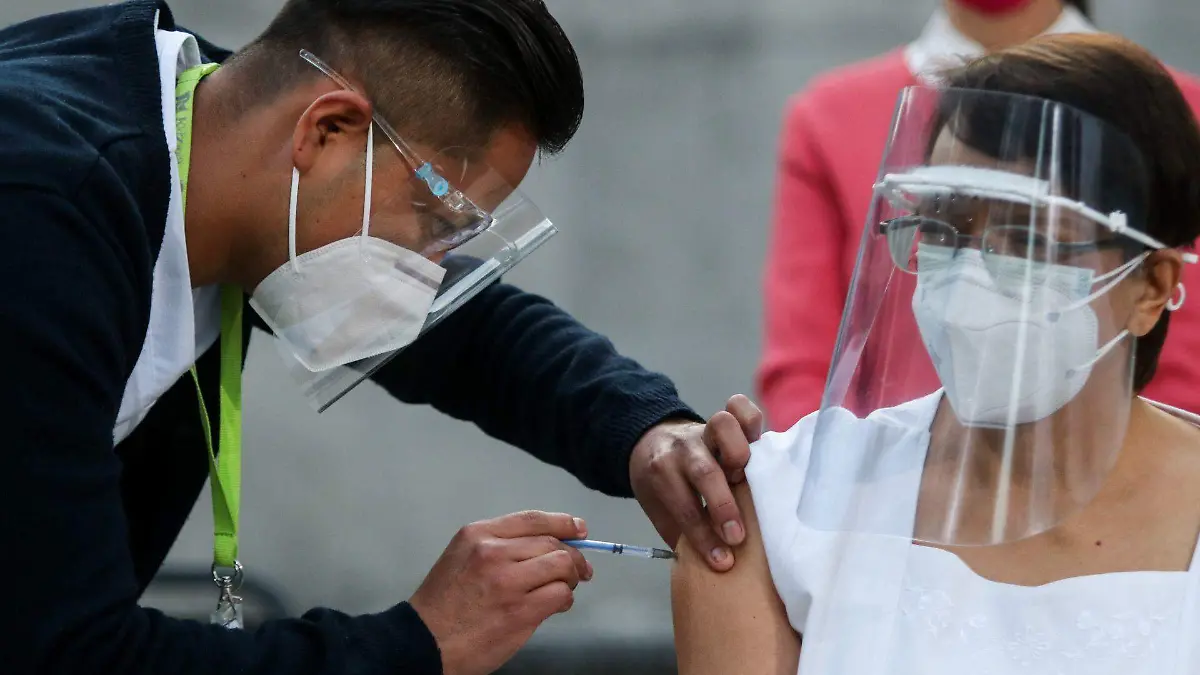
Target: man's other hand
[(497, 581), (675, 464)]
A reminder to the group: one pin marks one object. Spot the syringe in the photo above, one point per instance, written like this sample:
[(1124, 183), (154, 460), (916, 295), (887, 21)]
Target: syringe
[(620, 549)]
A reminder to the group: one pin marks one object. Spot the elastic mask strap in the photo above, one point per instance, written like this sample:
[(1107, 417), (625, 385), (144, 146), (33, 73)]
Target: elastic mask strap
[(292, 219), (366, 219), (1100, 354), (1123, 270), (1118, 275), (295, 195)]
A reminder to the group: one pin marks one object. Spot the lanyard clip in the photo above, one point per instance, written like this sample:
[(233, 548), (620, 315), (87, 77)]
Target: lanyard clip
[(229, 606)]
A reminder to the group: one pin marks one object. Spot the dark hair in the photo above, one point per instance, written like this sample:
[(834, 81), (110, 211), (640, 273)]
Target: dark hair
[(444, 71), (1084, 6), (1123, 85)]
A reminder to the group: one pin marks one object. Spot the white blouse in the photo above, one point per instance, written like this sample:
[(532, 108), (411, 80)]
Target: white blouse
[(904, 609)]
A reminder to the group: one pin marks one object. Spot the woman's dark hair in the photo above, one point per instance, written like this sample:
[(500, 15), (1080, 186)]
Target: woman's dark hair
[(1123, 85)]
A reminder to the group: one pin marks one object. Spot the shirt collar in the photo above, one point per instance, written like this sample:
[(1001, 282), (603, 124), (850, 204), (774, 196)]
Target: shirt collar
[(940, 44)]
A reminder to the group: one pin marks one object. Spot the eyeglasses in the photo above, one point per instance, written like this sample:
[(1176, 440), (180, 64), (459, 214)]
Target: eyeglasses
[(906, 233), (894, 186), (463, 219)]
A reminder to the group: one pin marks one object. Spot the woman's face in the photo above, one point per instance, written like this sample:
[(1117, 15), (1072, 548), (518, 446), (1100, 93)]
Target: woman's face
[(1044, 233)]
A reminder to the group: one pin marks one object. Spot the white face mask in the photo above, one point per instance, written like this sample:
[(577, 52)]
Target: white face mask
[(986, 344), (349, 300)]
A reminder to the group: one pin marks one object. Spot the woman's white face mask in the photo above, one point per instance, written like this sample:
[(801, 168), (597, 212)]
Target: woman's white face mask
[(986, 344), (349, 300)]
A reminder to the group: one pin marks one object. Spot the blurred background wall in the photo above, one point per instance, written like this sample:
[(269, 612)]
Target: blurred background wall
[(663, 202)]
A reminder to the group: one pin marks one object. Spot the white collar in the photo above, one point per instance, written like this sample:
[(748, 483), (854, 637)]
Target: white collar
[(184, 322), (941, 44)]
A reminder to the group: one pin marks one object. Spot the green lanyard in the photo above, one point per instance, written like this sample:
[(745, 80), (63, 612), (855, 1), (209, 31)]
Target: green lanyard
[(225, 476)]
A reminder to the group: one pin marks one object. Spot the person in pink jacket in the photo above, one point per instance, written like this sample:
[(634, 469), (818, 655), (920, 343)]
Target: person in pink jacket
[(833, 136)]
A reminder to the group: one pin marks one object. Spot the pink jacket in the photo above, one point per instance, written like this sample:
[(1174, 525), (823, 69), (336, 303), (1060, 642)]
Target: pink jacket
[(833, 138)]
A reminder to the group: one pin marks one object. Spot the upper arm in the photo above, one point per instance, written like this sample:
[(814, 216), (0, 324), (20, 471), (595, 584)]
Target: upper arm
[(732, 623), (804, 283), (69, 329)]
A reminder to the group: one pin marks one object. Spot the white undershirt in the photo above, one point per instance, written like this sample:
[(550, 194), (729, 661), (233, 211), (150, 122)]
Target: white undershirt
[(184, 322)]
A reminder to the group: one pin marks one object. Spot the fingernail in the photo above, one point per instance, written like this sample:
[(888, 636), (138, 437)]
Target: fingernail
[(733, 532), (580, 527), (719, 554), (588, 571)]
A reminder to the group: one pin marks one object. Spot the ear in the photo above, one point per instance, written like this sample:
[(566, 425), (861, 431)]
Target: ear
[(336, 121), (1161, 274)]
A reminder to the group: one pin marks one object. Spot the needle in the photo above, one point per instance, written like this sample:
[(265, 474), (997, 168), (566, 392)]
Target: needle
[(620, 549)]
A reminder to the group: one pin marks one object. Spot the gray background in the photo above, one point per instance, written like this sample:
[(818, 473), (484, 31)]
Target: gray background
[(663, 202)]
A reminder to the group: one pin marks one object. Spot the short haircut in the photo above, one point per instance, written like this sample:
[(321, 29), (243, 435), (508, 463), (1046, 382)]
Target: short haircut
[(447, 72)]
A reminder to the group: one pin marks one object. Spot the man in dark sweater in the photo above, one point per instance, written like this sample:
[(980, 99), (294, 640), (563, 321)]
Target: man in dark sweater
[(122, 222)]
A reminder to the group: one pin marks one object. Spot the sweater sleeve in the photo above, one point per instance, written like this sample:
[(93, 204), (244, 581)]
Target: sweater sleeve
[(73, 312), (804, 282), (529, 374)]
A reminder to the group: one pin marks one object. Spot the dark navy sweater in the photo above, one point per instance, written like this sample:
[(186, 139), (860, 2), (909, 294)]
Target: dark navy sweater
[(84, 189)]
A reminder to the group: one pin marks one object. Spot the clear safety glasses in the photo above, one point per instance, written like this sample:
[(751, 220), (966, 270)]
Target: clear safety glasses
[(461, 219)]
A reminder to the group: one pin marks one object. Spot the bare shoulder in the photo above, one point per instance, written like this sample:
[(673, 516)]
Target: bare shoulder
[(733, 622)]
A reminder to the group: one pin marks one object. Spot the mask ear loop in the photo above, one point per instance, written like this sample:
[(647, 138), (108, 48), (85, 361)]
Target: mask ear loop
[(366, 217), (1176, 305), (1172, 306), (292, 219), (1117, 275), (1101, 353), (295, 195)]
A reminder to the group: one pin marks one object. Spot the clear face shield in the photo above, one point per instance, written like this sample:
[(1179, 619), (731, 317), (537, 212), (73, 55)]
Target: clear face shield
[(341, 316), (981, 388)]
